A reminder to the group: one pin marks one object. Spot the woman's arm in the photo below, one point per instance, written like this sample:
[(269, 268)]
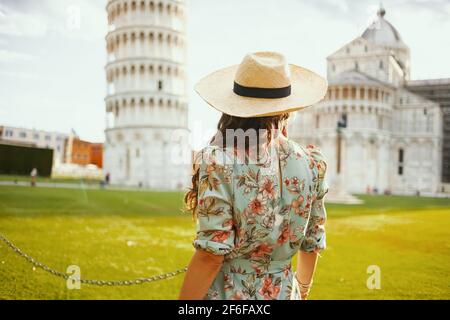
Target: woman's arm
[(202, 271), (306, 265)]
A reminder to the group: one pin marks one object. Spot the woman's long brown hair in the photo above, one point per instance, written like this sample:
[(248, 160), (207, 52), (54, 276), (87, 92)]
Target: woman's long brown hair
[(232, 122)]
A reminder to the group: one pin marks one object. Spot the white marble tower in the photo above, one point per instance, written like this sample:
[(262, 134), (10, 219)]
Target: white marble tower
[(146, 102)]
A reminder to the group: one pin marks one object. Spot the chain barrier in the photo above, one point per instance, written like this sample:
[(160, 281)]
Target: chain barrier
[(93, 282)]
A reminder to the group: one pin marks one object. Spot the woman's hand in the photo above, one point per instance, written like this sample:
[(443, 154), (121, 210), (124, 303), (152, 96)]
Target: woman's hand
[(202, 271), (306, 266)]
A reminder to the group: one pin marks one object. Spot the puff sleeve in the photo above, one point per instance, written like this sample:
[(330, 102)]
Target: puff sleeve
[(315, 237), (214, 212)]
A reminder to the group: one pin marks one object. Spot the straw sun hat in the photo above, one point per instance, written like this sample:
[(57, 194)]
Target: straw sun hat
[(262, 85)]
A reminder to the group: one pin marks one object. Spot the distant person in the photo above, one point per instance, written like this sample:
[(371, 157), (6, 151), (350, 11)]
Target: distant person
[(33, 175), (368, 190), (260, 201), (107, 177)]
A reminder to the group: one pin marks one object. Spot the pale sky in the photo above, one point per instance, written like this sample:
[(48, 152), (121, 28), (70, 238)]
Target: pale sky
[(52, 65)]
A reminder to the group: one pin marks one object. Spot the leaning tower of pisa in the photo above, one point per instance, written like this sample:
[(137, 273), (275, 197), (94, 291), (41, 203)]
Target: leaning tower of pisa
[(146, 104)]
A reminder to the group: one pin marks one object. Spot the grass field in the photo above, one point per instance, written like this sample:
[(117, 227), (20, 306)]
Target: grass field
[(118, 235), (21, 178)]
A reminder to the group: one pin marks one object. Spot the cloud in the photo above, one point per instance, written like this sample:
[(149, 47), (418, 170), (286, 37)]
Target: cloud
[(24, 18), (21, 75), (13, 56), (14, 23), (348, 8)]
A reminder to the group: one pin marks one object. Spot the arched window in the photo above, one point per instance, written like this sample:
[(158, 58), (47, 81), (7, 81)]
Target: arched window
[(160, 85), (381, 64), (133, 5), (345, 93), (401, 159)]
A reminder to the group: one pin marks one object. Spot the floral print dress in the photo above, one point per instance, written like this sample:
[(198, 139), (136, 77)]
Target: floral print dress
[(258, 216)]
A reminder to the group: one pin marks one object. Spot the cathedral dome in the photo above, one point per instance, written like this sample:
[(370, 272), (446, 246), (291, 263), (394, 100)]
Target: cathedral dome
[(382, 32)]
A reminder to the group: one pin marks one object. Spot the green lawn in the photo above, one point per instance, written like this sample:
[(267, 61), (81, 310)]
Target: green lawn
[(9, 177), (116, 235)]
